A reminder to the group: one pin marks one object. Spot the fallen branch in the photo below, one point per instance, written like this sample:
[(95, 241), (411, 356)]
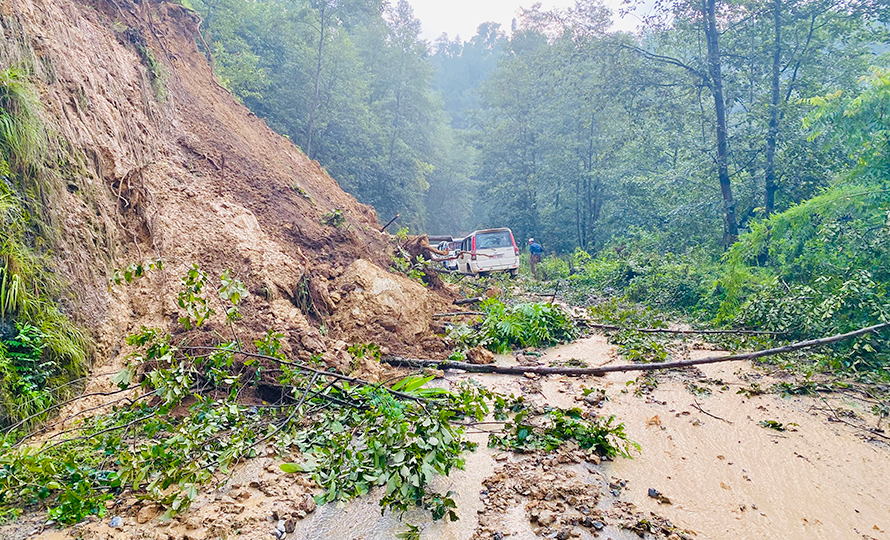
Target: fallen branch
[(697, 406), (838, 418), (463, 301), (101, 432), (308, 369), (390, 222), (543, 370), (455, 313), (670, 331), (21, 422), (555, 292)]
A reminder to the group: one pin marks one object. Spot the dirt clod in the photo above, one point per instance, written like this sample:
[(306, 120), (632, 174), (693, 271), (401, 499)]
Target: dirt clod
[(479, 355)]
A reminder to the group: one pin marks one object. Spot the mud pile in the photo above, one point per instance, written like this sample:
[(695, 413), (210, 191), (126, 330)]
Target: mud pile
[(160, 162)]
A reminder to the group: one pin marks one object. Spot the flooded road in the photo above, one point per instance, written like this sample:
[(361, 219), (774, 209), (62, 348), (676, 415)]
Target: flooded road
[(733, 478), (703, 448)]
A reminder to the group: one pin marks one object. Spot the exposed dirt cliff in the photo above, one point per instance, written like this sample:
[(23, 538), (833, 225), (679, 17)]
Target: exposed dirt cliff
[(160, 162)]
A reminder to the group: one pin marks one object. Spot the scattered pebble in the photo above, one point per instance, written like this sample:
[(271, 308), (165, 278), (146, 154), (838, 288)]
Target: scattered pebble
[(658, 496)]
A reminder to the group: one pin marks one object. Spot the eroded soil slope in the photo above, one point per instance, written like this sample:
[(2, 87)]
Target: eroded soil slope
[(160, 162)]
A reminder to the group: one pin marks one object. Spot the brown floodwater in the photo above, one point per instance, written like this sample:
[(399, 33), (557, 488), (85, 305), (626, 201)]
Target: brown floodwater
[(733, 478), (727, 477)]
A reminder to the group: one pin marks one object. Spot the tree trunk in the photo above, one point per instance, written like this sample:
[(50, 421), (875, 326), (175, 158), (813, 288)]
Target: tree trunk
[(589, 214), (731, 228), (315, 97), (602, 370), (772, 134)]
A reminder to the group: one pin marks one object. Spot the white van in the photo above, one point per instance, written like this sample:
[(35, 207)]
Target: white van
[(491, 250)]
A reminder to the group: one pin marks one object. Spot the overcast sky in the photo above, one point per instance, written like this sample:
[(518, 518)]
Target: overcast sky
[(461, 17)]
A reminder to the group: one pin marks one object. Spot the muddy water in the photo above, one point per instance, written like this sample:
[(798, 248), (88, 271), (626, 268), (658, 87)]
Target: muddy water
[(732, 478), (726, 478)]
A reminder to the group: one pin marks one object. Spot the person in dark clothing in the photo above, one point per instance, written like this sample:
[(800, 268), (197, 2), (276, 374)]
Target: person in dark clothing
[(535, 250)]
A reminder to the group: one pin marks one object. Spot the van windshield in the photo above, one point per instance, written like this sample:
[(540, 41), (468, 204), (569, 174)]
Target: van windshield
[(494, 240)]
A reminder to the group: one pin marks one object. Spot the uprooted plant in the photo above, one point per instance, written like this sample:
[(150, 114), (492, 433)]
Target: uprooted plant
[(527, 430), (504, 327), (184, 415)]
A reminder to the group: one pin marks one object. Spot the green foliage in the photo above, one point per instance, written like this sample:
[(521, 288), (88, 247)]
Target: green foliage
[(24, 374), (632, 344), (416, 269), (777, 426), (134, 271), (364, 350), (859, 122), (22, 137), (401, 235), (412, 533), (233, 292), (190, 299), (523, 325), (557, 426), (553, 268), (41, 350), (334, 218), (28, 477), (352, 437), (400, 446)]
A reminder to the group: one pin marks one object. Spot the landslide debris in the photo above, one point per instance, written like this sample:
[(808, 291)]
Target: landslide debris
[(164, 164), (153, 160)]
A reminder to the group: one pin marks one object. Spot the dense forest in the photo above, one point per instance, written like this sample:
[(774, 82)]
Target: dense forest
[(729, 160), (690, 130)]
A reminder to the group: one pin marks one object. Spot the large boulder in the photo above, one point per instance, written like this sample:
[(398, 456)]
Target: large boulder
[(381, 306)]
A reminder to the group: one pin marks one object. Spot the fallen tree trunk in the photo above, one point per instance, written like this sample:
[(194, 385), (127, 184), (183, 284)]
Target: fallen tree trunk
[(544, 370), (468, 300), (669, 331), (455, 313)]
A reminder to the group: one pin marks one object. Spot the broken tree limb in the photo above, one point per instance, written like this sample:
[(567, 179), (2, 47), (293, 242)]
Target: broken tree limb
[(308, 369), (669, 331), (456, 313), (544, 370), (463, 301), (390, 222)]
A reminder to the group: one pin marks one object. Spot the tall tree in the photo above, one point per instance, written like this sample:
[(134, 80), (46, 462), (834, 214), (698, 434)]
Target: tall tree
[(712, 37)]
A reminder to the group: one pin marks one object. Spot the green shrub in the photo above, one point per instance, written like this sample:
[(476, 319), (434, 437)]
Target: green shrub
[(523, 325), (669, 282), (632, 344), (557, 426), (28, 290), (553, 268)]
